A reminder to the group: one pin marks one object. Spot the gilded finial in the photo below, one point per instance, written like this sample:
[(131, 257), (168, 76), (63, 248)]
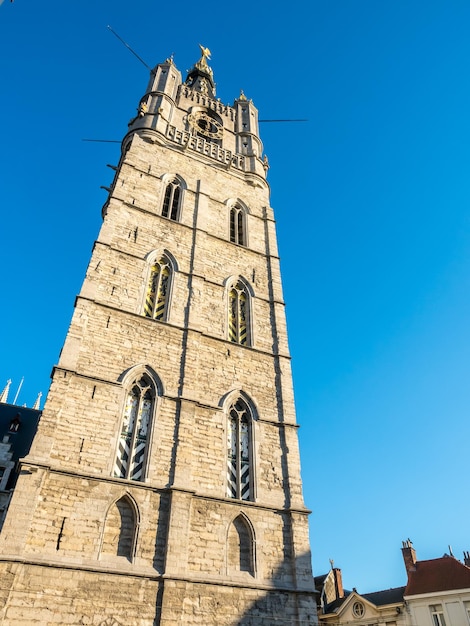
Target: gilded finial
[(202, 63), (242, 95), (206, 53)]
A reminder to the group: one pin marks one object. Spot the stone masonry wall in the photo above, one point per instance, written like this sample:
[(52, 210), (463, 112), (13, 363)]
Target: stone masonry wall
[(61, 545)]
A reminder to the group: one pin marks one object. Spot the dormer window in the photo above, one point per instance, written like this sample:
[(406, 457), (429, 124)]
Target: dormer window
[(15, 423)]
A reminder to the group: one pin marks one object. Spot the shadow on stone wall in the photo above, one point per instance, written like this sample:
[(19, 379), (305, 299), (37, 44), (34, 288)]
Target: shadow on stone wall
[(285, 607)]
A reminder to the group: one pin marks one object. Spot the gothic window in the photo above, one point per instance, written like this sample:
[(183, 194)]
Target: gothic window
[(156, 299), (237, 225), (119, 530), (240, 557), (239, 314), (136, 422), (239, 452), (172, 200)]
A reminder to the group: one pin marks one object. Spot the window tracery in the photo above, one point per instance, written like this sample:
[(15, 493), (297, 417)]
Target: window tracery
[(239, 452), (136, 422), (172, 200), (237, 225), (156, 299), (239, 314)]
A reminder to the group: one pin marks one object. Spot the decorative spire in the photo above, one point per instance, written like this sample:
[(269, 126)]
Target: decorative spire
[(200, 76), (38, 402), (202, 63), (4, 394), (242, 95)]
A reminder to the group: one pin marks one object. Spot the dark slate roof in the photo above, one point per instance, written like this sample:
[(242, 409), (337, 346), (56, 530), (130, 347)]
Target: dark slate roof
[(330, 608), (443, 574), (387, 596), (22, 439), (319, 580)]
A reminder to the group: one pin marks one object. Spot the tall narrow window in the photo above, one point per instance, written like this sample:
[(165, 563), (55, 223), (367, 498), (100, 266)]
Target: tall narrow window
[(119, 530), (171, 200), (156, 300), (240, 547), (237, 226), (238, 314), (239, 461), (132, 448)]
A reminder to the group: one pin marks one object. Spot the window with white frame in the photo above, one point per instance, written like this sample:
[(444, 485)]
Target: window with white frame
[(437, 615)]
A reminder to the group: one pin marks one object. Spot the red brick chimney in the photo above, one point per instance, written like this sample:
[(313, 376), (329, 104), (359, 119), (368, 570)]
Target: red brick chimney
[(409, 556), (338, 583)]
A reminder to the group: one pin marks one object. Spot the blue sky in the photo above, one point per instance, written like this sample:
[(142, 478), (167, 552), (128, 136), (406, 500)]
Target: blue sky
[(372, 201)]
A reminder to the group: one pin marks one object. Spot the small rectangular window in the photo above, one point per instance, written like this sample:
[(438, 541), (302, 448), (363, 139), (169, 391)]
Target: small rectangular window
[(437, 615)]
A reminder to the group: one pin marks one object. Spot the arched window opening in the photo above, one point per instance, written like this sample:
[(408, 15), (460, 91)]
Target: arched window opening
[(171, 200), (238, 323), (132, 448), (156, 300), (239, 452), (119, 530), (237, 226), (240, 547)]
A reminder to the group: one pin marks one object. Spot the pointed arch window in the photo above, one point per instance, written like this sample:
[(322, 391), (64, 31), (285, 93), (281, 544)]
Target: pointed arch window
[(156, 299), (120, 529), (239, 314), (237, 225), (240, 547), (136, 422), (172, 200), (239, 452)]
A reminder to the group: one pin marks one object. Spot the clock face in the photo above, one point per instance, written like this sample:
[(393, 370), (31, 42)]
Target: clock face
[(206, 125)]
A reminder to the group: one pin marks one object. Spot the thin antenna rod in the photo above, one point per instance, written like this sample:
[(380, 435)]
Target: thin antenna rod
[(18, 392), (129, 48), (283, 120), (103, 140)]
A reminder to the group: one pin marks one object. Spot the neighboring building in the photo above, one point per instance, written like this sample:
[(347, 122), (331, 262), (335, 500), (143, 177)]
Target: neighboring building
[(437, 594), (163, 486), (438, 590), (339, 607), (18, 426)]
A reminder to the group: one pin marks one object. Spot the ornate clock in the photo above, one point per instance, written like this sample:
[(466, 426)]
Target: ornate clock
[(205, 125)]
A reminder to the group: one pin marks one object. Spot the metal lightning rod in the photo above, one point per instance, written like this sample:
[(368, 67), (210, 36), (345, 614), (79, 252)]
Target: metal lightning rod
[(282, 121), (129, 48)]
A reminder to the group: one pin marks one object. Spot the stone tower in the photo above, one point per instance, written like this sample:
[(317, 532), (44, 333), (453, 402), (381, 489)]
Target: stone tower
[(163, 486)]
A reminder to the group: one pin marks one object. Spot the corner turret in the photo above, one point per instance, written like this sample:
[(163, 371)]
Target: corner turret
[(187, 116)]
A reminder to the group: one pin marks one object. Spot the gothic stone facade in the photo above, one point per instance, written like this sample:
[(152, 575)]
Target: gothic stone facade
[(163, 486)]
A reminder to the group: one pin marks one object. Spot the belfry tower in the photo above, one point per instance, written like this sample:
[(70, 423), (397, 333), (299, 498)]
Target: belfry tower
[(163, 486)]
